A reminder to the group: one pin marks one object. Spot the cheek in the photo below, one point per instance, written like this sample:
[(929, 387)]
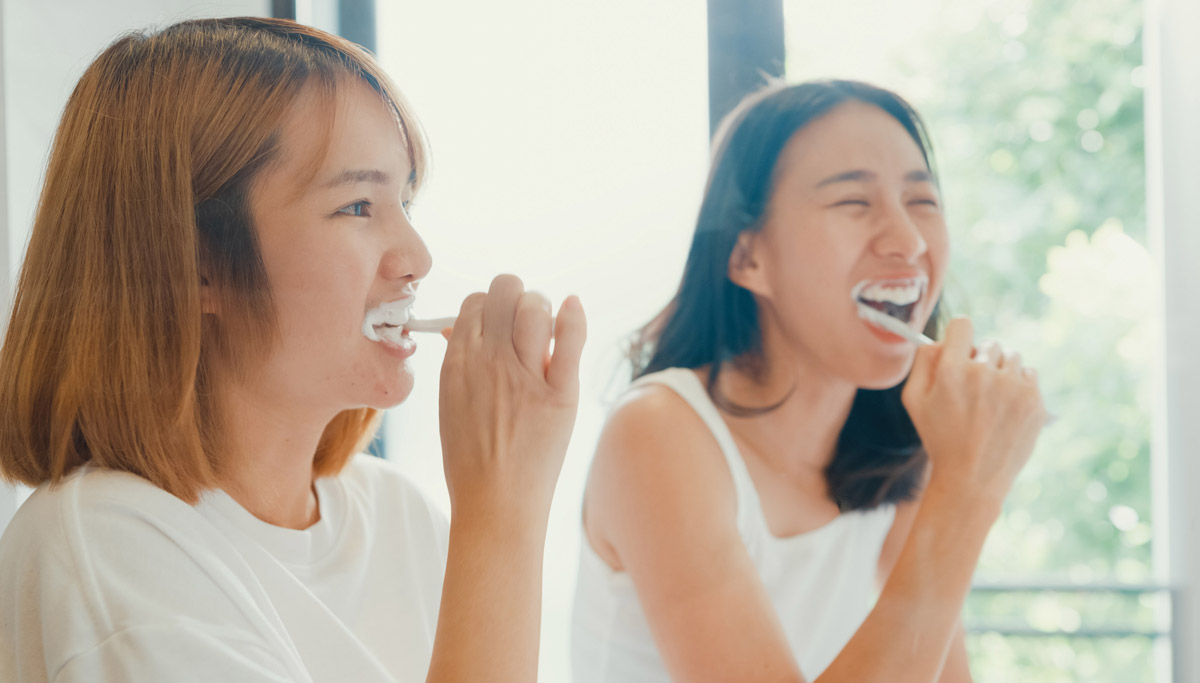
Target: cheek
[(937, 239)]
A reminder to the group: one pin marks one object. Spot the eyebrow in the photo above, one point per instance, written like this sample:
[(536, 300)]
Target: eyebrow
[(918, 176), (355, 176)]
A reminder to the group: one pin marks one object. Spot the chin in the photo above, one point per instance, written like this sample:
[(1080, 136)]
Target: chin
[(882, 375), (391, 393)]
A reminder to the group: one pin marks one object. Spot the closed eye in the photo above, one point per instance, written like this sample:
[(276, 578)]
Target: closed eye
[(852, 202), (926, 202), (360, 209)]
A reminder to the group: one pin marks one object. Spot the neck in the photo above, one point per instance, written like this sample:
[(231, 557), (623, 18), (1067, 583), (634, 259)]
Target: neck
[(267, 455), (799, 437)]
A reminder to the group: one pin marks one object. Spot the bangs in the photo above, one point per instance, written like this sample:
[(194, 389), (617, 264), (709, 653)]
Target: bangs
[(329, 83)]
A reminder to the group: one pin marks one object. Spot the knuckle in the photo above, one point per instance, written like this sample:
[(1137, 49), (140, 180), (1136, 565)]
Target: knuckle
[(474, 300)]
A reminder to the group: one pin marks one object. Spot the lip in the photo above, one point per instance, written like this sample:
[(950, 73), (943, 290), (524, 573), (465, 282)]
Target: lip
[(402, 351)]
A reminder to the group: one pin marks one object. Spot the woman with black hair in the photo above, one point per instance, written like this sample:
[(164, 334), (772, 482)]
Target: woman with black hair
[(779, 459)]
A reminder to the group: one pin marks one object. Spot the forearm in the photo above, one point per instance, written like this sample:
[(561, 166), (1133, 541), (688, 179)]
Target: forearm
[(957, 668), (488, 626), (908, 634)]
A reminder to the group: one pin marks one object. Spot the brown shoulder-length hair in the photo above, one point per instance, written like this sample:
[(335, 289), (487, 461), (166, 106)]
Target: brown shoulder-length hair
[(108, 354)]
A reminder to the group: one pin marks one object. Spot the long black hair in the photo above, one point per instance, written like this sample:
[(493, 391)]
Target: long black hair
[(711, 321)]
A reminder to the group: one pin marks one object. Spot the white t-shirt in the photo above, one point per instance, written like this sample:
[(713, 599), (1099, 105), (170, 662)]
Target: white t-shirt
[(109, 578)]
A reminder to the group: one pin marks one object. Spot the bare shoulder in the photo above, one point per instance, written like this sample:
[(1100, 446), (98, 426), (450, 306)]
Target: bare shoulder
[(657, 467)]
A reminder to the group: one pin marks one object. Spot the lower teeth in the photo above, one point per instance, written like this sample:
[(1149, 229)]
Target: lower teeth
[(897, 311)]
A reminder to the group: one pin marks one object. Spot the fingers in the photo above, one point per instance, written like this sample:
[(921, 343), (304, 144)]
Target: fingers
[(570, 331), (957, 344), (532, 328), (469, 324), (959, 339), (923, 370), (1011, 362), (990, 354), (499, 309)]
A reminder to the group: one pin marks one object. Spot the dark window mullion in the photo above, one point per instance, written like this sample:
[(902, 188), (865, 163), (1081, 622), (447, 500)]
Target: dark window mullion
[(356, 22), (745, 50), (283, 9)]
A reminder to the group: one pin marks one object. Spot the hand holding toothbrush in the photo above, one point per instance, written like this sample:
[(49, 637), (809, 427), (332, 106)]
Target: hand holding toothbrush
[(978, 411)]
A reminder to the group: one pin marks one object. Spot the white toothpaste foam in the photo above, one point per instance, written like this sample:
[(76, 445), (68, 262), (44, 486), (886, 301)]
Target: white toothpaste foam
[(386, 321)]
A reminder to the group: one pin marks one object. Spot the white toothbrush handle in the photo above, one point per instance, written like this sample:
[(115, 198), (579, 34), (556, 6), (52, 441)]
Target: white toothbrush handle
[(430, 325), (893, 325)]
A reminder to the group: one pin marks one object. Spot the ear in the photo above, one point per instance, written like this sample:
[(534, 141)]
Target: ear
[(746, 267)]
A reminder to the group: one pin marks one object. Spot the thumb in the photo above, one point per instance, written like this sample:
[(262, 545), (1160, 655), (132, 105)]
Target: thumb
[(924, 368)]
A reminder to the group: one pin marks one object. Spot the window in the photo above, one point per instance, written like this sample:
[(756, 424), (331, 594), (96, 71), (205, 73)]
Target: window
[(1036, 112)]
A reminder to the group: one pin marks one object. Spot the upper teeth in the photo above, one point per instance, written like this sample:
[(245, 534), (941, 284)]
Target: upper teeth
[(899, 294), (393, 313)]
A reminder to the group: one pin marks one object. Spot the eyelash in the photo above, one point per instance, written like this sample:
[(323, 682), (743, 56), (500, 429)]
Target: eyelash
[(361, 213), (861, 202), (405, 205)]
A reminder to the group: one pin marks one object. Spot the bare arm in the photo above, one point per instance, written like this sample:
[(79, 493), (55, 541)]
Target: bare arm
[(908, 634), (957, 668), (489, 623), (507, 411)]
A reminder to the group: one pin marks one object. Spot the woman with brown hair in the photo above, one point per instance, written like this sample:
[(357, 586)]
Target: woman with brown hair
[(211, 312)]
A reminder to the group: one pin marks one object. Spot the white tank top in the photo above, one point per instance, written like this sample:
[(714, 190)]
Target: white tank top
[(821, 583)]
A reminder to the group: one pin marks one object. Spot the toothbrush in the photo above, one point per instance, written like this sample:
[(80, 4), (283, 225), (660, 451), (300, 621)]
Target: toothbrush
[(430, 325), (892, 325)]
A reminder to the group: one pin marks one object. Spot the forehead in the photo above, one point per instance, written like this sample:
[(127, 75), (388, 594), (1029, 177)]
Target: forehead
[(345, 127), (852, 135)]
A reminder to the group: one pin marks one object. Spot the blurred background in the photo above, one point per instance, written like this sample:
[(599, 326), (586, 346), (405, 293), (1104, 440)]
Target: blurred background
[(570, 141)]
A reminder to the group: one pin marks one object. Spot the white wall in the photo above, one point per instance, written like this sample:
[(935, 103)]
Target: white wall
[(1173, 209), (570, 145), (45, 48)]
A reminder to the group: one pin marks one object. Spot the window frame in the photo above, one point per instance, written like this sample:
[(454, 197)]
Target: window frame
[(746, 44)]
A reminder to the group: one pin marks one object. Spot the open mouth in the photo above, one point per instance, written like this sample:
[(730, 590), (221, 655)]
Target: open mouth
[(386, 321), (896, 298)]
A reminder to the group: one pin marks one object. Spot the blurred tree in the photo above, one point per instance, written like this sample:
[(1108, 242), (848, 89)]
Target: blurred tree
[(1035, 108), (1036, 111)]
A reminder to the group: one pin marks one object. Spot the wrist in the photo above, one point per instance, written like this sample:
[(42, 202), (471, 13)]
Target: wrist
[(499, 522), (944, 503)]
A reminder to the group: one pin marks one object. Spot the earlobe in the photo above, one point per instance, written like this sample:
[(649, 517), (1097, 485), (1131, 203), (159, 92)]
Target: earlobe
[(745, 268)]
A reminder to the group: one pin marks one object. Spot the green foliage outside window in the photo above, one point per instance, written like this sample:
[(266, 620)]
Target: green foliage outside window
[(1036, 113)]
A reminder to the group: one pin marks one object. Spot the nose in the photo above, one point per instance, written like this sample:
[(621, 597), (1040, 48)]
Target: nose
[(900, 236), (405, 258)]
